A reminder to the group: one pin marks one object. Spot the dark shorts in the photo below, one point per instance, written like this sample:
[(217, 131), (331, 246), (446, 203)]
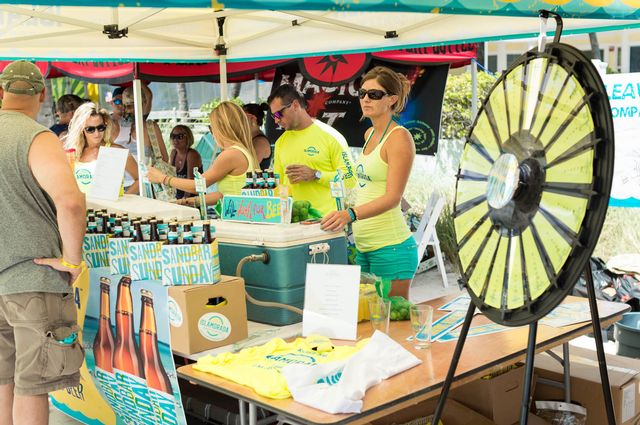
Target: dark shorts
[(33, 352)]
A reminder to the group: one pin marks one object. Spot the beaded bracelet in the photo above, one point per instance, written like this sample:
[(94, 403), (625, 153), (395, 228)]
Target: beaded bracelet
[(352, 214)]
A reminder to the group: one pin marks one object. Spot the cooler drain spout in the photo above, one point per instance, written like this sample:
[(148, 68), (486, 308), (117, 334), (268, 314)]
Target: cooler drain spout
[(264, 258)]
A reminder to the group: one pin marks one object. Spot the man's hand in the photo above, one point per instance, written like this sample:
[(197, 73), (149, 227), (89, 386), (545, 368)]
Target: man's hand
[(155, 176), (300, 173), (56, 264)]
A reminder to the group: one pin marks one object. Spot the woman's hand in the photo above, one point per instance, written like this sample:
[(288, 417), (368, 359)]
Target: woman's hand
[(155, 176), (190, 202), (335, 220)]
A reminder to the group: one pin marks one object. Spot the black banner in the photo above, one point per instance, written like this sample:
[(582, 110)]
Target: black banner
[(339, 106)]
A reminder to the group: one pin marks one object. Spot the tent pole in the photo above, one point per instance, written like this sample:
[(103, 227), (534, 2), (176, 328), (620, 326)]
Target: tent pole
[(474, 89), (256, 78), (221, 51), (139, 123)]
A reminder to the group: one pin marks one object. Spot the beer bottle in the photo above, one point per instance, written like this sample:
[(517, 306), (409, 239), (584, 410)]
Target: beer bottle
[(126, 356), (187, 236), (92, 225), (146, 230), (89, 211), (154, 372), (172, 236), (103, 343), (163, 229), (126, 227), (153, 231), (248, 181), (117, 228), (271, 179), (259, 179), (137, 228), (206, 230)]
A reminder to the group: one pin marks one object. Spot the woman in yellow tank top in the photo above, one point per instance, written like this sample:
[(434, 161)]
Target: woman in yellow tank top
[(231, 131), (384, 243)]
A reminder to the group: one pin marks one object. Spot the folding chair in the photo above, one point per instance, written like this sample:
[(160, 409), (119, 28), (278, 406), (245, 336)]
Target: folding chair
[(426, 233)]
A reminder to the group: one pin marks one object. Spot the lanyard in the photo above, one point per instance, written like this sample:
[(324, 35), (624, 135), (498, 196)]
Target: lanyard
[(373, 131)]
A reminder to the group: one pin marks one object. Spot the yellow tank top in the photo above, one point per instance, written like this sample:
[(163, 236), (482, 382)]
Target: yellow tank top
[(232, 185), (388, 228)]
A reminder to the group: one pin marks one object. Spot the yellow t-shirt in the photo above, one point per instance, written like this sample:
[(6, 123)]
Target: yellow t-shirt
[(321, 148), (232, 185), (259, 367)]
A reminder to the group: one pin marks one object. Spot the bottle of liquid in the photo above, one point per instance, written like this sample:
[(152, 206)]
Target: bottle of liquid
[(154, 372), (103, 343), (126, 356)]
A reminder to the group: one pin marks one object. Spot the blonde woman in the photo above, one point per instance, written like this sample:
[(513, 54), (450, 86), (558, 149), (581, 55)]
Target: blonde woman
[(89, 129), (232, 134)]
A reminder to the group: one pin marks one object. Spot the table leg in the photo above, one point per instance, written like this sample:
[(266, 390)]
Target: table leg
[(567, 372), (243, 412), (253, 414), (528, 373)]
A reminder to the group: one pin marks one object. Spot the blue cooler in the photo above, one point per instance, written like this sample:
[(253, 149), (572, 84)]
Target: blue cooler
[(290, 248)]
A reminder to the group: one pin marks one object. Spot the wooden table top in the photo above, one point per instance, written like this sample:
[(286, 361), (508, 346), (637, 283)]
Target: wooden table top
[(480, 355)]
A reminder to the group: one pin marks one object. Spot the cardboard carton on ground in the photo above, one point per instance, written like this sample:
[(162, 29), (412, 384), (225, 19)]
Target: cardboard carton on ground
[(497, 398), (586, 388), (454, 414), (200, 319)]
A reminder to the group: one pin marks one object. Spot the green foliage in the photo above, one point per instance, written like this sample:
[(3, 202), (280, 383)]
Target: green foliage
[(456, 107), (446, 235), (208, 107)]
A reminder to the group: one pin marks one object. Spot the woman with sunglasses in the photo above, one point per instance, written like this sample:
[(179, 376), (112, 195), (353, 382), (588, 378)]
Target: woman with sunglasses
[(231, 132), (90, 129), (182, 156), (384, 243), (256, 113)]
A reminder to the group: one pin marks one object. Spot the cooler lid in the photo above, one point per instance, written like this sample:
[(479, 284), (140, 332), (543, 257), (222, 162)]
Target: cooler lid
[(140, 206), (278, 234)]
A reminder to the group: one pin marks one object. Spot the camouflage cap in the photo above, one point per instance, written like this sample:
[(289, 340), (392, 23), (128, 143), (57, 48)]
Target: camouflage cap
[(25, 71)]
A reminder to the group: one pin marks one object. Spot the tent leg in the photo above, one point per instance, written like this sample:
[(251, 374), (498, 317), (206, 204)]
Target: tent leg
[(139, 121), (454, 363), (597, 333)]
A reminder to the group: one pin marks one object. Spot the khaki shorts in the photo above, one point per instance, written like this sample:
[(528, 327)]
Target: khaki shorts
[(32, 354)]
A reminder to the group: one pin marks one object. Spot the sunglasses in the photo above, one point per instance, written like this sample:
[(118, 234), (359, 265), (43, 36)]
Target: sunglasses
[(278, 114), (178, 136), (373, 94), (101, 128), (117, 102)]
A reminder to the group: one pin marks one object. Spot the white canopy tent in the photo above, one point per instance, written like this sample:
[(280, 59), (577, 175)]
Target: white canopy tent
[(243, 30)]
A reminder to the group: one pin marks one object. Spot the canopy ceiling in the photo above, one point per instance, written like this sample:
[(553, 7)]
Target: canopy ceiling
[(187, 31)]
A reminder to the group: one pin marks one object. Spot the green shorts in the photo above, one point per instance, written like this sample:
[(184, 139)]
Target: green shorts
[(395, 262)]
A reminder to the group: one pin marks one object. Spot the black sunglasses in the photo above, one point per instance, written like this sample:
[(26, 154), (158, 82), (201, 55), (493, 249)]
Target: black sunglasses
[(278, 114), (178, 136), (373, 94), (117, 102), (101, 128)]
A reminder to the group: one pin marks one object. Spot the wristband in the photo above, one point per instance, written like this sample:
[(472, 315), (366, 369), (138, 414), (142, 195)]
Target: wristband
[(169, 181), (69, 265), (164, 180), (352, 214)]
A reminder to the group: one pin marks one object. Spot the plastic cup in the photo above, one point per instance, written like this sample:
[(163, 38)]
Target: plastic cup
[(421, 317), (379, 310)]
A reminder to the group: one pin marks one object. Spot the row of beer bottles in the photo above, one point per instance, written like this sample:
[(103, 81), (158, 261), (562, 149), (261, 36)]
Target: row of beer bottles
[(261, 179), (123, 353), (119, 225)]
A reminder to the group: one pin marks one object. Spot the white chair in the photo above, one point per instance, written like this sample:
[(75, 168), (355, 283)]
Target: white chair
[(426, 233)]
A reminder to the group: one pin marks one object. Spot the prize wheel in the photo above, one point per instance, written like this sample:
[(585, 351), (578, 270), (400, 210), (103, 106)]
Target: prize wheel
[(533, 185)]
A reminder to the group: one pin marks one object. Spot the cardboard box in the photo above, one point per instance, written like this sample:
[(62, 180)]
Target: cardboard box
[(497, 398), (197, 325), (194, 264), (118, 261), (586, 388), (95, 250), (145, 260), (454, 414)]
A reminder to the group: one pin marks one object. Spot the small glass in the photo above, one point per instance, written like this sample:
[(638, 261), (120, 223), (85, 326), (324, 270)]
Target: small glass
[(421, 318), (379, 310)]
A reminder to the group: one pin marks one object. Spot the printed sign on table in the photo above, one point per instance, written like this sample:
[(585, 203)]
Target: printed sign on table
[(253, 209), (128, 376)]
